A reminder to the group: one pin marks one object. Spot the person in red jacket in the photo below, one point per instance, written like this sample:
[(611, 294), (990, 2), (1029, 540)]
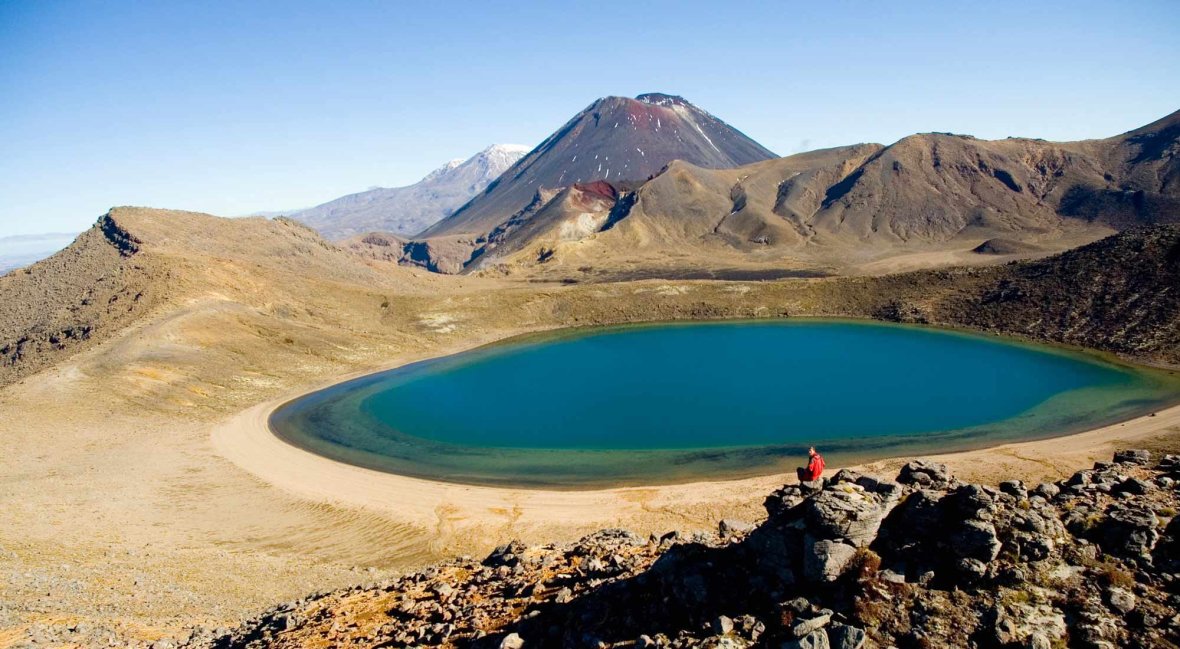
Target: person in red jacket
[(815, 467)]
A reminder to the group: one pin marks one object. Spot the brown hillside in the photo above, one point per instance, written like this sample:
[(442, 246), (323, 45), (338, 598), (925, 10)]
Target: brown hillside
[(925, 201), (135, 261)]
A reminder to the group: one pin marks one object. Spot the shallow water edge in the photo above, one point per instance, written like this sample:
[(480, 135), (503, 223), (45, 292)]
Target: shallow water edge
[(571, 468)]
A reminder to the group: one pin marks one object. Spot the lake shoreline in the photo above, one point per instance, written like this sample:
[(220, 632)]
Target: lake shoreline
[(478, 517), (1048, 419), (456, 518)]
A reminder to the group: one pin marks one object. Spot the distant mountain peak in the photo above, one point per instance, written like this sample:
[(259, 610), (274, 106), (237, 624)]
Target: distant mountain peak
[(507, 148), (438, 173), (410, 209), (661, 99)]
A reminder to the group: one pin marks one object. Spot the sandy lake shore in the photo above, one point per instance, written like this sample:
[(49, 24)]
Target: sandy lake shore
[(458, 517)]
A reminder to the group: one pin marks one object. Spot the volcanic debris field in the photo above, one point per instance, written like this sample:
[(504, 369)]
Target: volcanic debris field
[(923, 560)]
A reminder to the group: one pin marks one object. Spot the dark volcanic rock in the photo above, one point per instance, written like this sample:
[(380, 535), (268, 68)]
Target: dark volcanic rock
[(842, 636), (505, 555), (964, 566), (924, 474), (846, 512), (1134, 456), (1128, 532)]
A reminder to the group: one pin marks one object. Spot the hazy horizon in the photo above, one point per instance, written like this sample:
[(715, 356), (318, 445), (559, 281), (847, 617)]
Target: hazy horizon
[(237, 109)]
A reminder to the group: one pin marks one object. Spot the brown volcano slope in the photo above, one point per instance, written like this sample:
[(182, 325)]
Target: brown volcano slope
[(936, 186), (615, 139), (926, 200), (1141, 170)]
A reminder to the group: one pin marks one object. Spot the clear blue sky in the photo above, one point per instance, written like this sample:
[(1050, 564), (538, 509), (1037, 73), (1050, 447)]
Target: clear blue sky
[(235, 107)]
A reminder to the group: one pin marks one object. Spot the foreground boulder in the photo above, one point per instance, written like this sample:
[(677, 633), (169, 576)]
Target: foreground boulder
[(925, 474), (923, 561)]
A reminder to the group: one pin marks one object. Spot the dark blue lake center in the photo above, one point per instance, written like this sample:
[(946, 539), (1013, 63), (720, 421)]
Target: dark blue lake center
[(666, 403)]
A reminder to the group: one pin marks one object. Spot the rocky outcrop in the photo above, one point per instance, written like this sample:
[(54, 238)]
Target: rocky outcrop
[(62, 304), (1002, 246), (850, 562), (924, 474)]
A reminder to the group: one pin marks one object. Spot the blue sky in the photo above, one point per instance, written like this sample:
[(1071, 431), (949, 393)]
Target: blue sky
[(238, 107)]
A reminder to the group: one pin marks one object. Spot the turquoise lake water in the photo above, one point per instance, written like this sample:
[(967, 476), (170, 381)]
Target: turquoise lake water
[(667, 403)]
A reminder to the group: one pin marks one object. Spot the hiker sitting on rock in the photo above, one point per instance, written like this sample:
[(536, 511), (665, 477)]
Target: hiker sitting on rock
[(815, 467)]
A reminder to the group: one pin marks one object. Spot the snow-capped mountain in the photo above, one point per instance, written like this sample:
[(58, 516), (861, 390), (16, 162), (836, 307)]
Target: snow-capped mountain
[(411, 209)]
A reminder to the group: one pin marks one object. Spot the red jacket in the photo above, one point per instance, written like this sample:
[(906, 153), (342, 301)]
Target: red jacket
[(815, 468)]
